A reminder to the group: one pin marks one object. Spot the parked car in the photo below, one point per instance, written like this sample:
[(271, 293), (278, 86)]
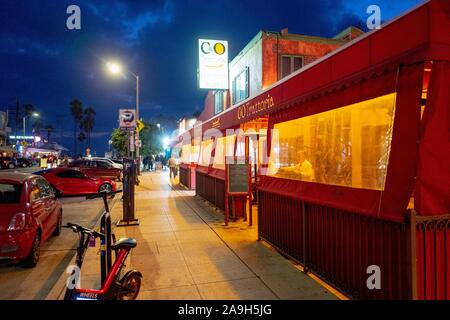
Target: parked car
[(73, 182), (114, 164), (8, 162), (29, 215), (97, 168), (118, 161), (24, 162)]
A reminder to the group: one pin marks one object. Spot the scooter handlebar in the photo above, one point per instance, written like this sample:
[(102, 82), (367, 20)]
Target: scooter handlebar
[(101, 194), (80, 229)]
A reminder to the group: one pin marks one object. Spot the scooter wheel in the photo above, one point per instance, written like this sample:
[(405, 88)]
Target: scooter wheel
[(130, 286)]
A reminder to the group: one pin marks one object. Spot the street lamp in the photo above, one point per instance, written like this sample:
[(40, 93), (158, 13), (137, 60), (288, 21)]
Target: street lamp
[(34, 114), (116, 69)]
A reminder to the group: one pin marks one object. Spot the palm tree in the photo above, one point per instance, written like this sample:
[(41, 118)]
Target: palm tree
[(81, 138), (89, 123), (76, 108)]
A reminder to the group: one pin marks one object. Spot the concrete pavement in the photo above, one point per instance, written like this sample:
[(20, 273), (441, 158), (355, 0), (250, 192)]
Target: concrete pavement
[(185, 252)]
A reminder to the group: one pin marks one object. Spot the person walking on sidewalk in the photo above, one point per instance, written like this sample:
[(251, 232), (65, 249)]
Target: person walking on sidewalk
[(173, 167)]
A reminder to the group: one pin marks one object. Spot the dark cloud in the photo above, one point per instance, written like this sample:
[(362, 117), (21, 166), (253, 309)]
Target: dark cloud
[(45, 64)]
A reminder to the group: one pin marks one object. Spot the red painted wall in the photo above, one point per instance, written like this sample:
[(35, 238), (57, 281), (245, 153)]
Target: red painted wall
[(311, 51)]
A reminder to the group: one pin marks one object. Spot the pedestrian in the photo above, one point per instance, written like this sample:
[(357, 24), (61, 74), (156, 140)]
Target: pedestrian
[(173, 167), (65, 162), (150, 162), (145, 163)]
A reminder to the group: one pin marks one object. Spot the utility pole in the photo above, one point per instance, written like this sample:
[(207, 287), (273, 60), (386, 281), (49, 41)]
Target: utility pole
[(17, 117)]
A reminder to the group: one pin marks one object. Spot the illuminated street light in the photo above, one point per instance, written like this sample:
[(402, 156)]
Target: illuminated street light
[(116, 69), (166, 142)]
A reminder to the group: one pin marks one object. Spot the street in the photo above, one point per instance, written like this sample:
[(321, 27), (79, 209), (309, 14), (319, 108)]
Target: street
[(56, 254)]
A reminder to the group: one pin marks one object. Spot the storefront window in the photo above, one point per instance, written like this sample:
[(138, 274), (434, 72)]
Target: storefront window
[(205, 153), (186, 153), (348, 146), (218, 102), (240, 86), (222, 143), (195, 153)]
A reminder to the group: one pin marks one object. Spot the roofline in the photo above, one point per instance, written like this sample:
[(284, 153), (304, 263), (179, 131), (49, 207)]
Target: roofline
[(247, 47)]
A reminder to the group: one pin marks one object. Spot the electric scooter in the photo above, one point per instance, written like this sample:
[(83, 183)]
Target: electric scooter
[(115, 286)]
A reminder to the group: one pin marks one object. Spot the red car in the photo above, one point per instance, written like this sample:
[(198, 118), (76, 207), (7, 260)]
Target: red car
[(73, 182), (97, 168), (29, 215)]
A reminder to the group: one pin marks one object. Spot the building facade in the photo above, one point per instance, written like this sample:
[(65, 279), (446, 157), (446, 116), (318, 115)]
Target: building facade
[(3, 128), (267, 58)]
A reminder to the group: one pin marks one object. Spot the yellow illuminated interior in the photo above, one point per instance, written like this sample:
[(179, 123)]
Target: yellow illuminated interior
[(186, 153), (195, 153), (348, 146), (224, 143), (205, 153)]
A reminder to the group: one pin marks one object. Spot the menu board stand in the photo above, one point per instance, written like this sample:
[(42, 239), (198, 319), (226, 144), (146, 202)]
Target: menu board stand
[(237, 184)]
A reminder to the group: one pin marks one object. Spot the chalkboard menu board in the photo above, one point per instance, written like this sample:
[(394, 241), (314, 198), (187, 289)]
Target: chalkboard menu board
[(238, 178)]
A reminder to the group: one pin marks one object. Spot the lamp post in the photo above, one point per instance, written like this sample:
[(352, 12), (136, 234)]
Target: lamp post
[(116, 69), (24, 122)]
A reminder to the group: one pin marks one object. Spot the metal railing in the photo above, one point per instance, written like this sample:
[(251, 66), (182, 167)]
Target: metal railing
[(339, 246), (430, 242)]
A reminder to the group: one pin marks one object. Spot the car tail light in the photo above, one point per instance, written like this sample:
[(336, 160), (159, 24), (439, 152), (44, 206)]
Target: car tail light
[(17, 222)]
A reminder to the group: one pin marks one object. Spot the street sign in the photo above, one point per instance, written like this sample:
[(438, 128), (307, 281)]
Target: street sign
[(127, 118), (139, 125)]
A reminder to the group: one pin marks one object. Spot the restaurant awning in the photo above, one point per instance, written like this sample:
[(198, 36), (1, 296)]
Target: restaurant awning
[(380, 62)]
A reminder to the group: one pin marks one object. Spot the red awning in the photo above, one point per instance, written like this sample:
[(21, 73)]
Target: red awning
[(393, 200), (432, 195)]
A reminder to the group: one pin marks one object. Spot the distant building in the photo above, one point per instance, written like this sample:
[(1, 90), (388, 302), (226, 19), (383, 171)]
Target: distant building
[(267, 58), (3, 128)]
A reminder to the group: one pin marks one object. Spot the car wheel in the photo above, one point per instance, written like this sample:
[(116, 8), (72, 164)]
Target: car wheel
[(33, 256), (105, 187), (58, 227), (11, 166)]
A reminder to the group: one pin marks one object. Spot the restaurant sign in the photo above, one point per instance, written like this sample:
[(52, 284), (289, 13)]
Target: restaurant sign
[(213, 64), (251, 109)]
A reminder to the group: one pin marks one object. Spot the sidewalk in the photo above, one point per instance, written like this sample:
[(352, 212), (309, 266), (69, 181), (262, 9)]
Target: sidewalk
[(185, 252)]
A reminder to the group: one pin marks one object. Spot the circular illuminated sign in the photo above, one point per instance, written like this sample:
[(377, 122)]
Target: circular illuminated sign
[(219, 48)]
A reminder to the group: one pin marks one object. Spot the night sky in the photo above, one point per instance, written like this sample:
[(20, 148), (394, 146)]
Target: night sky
[(47, 65)]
